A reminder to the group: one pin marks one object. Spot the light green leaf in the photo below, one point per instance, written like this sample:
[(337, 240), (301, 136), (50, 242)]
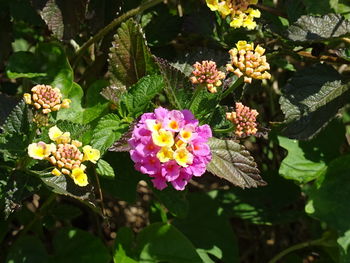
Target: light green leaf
[(129, 57), (108, 130), (28, 249), (105, 169), (311, 99), (73, 245), (138, 99), (315, 29), (163, 242), (232, 162)]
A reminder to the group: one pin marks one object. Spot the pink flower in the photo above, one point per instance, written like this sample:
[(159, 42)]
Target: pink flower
[(170, 146)]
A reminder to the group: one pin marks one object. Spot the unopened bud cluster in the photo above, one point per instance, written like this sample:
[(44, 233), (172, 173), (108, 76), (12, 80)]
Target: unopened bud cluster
[(244, 120), (65, 155), (46, 99), (207, 74), (248, 62), (239, 11)]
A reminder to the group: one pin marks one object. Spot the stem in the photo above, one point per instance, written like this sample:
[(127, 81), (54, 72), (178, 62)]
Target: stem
[(99, 191), (104, 31), (232, 87), (280, 255), (39, 214), (230, 129)]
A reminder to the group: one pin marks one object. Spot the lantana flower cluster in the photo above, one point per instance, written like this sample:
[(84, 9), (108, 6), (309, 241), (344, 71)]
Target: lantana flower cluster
[(170, 146), (65, 154), (207, 74), (244, 120), (46, 99), (248, 62), (239, 11)]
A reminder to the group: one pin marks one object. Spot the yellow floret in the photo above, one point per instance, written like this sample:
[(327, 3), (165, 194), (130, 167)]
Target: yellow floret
[(91, 154), (183, 157), (163, 138), (27, 98), (40, 150), (165, 154), (79, 177)]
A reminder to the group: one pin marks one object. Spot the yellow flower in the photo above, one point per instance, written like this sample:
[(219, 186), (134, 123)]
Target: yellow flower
[(58, 136), (183, 157), (163, 138), (27, 98), (56, 172), (79, 176), (153, 126), (40, 150), (90, 154), (65, 103), (165, 154)]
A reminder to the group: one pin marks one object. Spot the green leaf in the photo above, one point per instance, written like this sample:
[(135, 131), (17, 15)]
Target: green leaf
[(320, 7), (315, 29), (175, 201), (28, 249), (105, 169), (7, 105), (203, 104), (17, 122), (123, 245), (163, 242), (74, 245), (138, 99), (76, 113), (129, 57), (232, 162), (76, 130), (64, 185), (108, 130), (328, 201), (208, 220), (311, 99), (306, 160), (177, 86), (21, 64)]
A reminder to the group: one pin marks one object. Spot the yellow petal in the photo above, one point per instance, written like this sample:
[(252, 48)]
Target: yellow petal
[(55, 133), (27, 98), (90, 154), (39, 150), (165, 154), (56, 172), (163, 138), (183, 157), (79, 177), (65, 103)]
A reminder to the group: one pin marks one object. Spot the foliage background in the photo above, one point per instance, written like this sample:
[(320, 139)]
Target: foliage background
[(303, 212)]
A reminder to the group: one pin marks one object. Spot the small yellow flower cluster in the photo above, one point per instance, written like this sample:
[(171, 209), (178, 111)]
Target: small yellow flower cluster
[(239, 11), (244, 119), (249, 62), (64, 153), (46, 98), (206, 73)]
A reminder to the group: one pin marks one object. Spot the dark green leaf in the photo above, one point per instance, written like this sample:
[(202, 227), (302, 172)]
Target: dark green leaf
[(138, 99), (175, 201), (129, 56), (123, 245), (108, 130), (23, 65), (74, 245), (105, 169), (28, 249), (177, 86), (17, 122), (64, 185), (311, 99), (328, 201), (208, 220), (163, 242), (7, 104), (314, 28), (232, 162)]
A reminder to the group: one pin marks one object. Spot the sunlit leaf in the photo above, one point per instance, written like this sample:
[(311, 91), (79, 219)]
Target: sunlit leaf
[(232, 162), (104, 169), (315, 28)]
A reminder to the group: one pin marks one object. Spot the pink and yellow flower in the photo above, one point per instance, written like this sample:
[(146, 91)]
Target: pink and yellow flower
[(170, 147)]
